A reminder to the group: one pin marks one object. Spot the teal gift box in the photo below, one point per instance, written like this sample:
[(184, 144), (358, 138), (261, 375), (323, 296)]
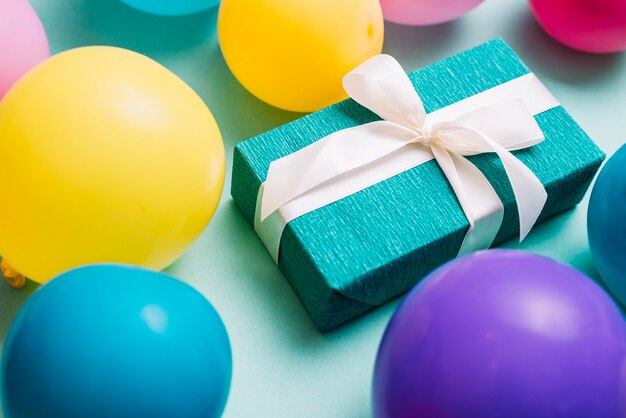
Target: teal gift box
[(365, 249)]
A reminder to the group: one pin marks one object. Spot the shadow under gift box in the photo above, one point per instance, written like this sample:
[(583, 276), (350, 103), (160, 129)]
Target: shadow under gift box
[(352, 255)]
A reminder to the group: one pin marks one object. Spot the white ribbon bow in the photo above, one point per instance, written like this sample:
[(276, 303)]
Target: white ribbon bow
[(498, 120)]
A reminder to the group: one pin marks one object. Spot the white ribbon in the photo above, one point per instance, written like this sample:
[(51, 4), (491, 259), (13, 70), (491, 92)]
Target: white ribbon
[(497, 120)]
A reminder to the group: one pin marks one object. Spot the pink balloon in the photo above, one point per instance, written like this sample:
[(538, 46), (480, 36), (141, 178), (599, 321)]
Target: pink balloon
[(425, 12), (597, 26), (23, 41)]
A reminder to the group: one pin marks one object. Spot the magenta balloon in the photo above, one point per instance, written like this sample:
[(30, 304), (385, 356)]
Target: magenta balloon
[(425, 12), (23, 42), (597, 26), (503, 333)]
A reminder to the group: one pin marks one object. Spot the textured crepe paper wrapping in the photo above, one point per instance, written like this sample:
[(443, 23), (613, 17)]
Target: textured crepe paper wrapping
[(361, 251)]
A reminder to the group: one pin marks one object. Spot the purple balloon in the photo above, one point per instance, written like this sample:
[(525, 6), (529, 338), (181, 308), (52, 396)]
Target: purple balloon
[(503, 333)]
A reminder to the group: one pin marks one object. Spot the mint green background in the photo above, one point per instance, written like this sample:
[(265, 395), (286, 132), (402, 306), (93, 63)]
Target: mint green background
[(283, 367)]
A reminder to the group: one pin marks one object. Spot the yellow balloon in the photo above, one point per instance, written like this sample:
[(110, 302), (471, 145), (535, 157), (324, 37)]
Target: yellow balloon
[(106, 157), (294, 54)]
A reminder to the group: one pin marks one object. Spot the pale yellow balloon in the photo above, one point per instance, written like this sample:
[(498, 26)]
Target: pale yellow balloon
[(293, 54), (106, 157)]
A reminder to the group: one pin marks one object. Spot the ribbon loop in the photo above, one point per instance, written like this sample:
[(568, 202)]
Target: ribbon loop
[(381, 85), (499, 120), (509, 121)]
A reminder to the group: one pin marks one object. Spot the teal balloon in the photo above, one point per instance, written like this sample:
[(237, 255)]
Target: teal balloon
[(606, 221), (109, 341), (172, 7)]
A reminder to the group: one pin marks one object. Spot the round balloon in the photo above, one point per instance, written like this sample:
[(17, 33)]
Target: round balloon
[(294, 54), (426, 12), (172, 7), (113, 341), (23, 41), (607, 224), (107, 157), (503, 334), (597, 26)]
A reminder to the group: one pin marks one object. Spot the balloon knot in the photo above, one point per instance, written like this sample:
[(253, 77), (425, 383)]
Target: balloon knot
[(14, 277)]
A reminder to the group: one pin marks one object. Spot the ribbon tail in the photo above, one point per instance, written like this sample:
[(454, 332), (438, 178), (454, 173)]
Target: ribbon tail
[(477, 197), (530, 194)]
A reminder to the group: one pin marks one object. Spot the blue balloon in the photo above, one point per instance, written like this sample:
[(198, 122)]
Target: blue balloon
[(109, 341), (606, 223), (172, 7)]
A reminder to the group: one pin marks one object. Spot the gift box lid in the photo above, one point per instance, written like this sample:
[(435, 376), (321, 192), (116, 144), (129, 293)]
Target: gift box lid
[(367, 248)]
